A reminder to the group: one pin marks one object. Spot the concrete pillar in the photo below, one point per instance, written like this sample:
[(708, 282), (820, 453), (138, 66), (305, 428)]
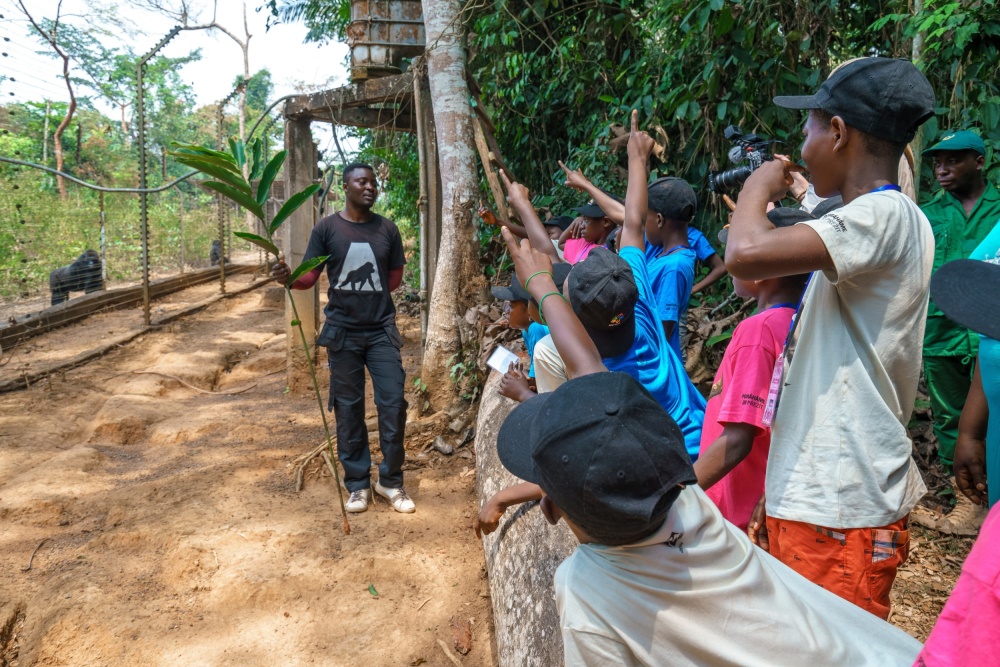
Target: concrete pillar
[(300, 167)]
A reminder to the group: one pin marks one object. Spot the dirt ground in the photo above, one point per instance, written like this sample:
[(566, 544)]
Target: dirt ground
[(167, 530)]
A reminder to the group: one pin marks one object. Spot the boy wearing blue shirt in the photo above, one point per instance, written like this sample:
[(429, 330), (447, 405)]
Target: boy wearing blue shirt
[(612, 296)]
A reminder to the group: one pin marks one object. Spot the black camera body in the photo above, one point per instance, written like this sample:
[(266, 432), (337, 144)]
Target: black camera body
[(749, 148)]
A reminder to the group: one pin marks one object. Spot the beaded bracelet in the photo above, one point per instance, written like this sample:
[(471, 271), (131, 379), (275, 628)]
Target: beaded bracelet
[(549, 274), (541, 303)]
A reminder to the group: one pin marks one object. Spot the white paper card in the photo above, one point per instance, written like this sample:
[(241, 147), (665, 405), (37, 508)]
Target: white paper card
[(501, 359)]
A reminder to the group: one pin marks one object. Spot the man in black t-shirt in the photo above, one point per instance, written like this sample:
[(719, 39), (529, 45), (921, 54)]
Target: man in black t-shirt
[(365, 265)]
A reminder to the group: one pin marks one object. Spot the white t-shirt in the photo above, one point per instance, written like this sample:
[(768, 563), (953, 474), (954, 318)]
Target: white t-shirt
[(697, 592), (840, 454), (550, 371)]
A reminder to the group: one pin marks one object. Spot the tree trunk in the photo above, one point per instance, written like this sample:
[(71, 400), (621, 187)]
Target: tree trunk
[(458, 281), (521, 555)]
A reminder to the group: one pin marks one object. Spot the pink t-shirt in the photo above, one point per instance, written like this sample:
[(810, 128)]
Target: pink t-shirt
[(576, 250), (738, 395), (966, 631)]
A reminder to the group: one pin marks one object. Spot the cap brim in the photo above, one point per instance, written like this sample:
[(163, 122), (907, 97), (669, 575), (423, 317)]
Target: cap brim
[(968, 292), (505, 293), (797, 101), (616, 342), (515, 442), (590, 211)]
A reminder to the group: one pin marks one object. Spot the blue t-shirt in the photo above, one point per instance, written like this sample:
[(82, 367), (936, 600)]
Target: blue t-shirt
[(671, 277), (702, 248), (534, 333), (989, 371), (653, 363)]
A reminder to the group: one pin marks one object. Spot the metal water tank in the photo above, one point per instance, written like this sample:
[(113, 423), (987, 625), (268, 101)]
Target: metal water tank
[(381, 34)]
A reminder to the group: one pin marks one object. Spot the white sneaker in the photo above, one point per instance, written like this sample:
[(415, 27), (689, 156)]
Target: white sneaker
[(358, 502), (400, 501)]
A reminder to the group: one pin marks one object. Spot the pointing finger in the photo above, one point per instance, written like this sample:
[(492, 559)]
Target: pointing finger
[(563, 167), (635, 120), (505, 179), (512, 246)]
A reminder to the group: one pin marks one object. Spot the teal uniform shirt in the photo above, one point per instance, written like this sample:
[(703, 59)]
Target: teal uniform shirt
[(956, 235)]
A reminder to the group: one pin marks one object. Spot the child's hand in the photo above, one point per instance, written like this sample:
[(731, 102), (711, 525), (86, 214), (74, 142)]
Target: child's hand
[(488, 518), (515, 191), (487, 215), (773, 178), (527, 262), (575, 228), (640, 144), (514, 385), (574, 178), (757, 528)]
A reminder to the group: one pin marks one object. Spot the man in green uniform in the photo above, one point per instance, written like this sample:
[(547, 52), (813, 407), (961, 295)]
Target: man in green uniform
[(961, 215)]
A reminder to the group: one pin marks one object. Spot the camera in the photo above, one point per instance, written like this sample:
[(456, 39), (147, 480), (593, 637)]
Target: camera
[(746, 147)]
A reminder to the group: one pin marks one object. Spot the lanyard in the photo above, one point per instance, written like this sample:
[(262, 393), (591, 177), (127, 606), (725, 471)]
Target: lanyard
[(778, 375), (674, 249), (783, 305), (889, 186)]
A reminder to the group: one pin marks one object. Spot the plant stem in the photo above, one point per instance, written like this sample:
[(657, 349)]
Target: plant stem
[(322, 410)]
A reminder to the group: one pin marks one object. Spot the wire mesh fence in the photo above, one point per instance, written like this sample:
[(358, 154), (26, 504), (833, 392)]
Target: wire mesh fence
[(54, 248)]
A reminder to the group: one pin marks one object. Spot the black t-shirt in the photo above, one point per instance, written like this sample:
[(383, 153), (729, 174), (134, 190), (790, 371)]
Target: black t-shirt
[(361, 256)]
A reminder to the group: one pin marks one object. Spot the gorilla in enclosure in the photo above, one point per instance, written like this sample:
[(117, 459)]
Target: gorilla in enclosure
[(83, 275), (215, 253)]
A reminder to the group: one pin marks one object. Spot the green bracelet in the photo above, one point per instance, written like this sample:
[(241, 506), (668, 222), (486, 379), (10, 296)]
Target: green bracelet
[(548, 273), (542, 303)]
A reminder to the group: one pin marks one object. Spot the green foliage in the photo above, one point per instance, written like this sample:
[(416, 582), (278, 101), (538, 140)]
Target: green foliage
[(555, 76)]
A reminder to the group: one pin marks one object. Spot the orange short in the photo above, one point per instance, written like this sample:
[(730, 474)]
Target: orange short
[(858, 564)]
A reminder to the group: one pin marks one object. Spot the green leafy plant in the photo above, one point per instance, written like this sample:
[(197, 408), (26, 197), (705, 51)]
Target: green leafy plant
[(227, 169)]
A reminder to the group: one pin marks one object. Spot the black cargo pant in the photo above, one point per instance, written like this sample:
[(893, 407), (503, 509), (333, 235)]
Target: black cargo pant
[(349, 352)]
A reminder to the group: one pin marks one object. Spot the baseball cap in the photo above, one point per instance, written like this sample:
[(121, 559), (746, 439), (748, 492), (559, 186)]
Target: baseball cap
[(604, 451), (780, 217), (603, 294), (673, 198), (592, 210), (885, 97), (963, 140), (968, 292), (516, 292), (560, 221)]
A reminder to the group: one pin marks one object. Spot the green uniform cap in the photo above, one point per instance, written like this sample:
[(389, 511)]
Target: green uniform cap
[(963, 140)]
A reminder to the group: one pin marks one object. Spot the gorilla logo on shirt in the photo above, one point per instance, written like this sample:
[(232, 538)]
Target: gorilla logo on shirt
[(358, 274)]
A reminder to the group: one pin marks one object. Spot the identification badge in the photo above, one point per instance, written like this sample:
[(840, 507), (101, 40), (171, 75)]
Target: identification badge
[(773, 392)]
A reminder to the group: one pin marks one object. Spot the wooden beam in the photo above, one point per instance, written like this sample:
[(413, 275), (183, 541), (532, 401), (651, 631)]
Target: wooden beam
[(396, 120), (389, 89), (499, 199)]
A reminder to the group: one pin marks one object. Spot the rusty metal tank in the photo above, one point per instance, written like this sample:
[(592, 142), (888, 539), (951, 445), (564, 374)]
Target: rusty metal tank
[(381, 34)]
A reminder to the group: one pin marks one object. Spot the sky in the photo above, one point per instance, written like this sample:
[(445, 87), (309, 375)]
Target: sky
[(294, 66)]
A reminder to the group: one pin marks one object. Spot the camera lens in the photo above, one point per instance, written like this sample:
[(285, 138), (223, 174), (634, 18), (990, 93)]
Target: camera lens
[(729, 180)]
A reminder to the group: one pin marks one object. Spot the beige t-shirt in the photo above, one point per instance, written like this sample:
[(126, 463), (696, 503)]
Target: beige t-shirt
[(697, 592), (550, 371), (840, 454)]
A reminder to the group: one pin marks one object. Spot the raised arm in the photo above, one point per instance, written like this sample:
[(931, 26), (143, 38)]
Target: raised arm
[(517, 196), (756, 250), (488, 217), (575, 347), (640, 145), (576, 180)]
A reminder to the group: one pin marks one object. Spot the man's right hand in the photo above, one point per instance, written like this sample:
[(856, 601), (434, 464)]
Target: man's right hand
[(280, 272)]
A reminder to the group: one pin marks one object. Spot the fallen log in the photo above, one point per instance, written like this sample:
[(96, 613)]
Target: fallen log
[(521, 555)]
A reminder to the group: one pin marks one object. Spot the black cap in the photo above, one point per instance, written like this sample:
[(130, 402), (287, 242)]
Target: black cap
[(883, 97), (673, 198), (560, 221), (591, 210), (968, 292), (516, 292), (603, 294), (779, 217), (604, 451)]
